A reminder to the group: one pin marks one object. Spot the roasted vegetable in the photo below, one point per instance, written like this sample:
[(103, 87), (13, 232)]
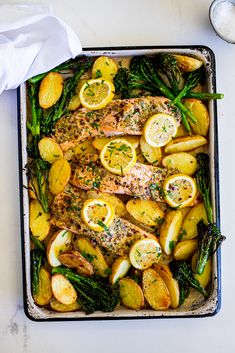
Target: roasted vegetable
[(209, 235), (63, 290), (39, 221), (131, 294), (167, 66), (50, 90), (183, 274), (37, 257), (59, 175), (93, 293)]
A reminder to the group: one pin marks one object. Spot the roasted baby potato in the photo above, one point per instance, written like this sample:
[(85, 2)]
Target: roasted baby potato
[(73, 259), (183, 161), (155, 290), (145, 211), (205, 277), (200, 112), (189, 227), (50, 90), (119, 269), (181, 131), (59, 175), (74, 103), (185, 249), (152, 154), (118, 205), (63, 290), (94, 256), (44, 294), (60, 242), (170, 230), (131, 294), (188, 63), (185, 144), (172, 285), (81, 148), (100, 142), (57, 306), (39, 221), (104, 67), (49, 150)]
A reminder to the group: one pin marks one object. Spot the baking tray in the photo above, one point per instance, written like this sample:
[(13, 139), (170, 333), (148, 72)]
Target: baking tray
[(196, 306)]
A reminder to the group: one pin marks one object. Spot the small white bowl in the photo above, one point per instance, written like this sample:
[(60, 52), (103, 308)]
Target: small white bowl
[(222, 18)]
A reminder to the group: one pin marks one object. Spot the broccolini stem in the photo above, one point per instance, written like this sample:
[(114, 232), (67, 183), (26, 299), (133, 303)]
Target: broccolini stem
[(204, 96)]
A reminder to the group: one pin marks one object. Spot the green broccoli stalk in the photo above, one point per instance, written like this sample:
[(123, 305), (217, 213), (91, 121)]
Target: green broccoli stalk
[(170, 73), (93, 293), (183, 274), (37, 257), (191, 82), (39, 169), (209, 236)]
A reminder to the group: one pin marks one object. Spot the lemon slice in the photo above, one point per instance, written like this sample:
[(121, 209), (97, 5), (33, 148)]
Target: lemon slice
[(96, 93), (159, 129), (144, 253), (98, 214), (104, 67), (118, 156), (180, 190)]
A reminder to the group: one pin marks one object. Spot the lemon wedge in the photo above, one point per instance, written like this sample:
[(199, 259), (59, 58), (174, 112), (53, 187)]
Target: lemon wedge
[(97, 214), (180, 190), (118, 156), (159, 129), (96, 93), (144, 253)]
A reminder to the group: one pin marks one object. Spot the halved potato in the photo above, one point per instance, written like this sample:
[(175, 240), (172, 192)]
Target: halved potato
[(185, 144), (59, 243), (81, 148), (118, 205), (172, 285), (49, 150), (73, 259), (39, 221), (100, 142), (181, 131), (183, 161), (120, 268), (131, 294), (44, 294), (205, 277), (189, 227), (59, 175), (185, 249), (145, 211), (63, 290), (94, 255), (201, 149), (155, 290), (50, 89), (170, 230), (188, 63), (57, 306), (152, 154), (201, 113)]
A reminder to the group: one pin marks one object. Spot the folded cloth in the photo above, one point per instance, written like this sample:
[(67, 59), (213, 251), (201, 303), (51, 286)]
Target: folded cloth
[(32, 41)]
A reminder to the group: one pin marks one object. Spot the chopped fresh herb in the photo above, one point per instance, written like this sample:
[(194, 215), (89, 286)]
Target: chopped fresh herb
[(171, 245), (98, 74), (101, 224), (88, 257)]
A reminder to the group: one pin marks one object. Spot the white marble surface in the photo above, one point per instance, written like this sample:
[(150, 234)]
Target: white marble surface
[(112, 23)]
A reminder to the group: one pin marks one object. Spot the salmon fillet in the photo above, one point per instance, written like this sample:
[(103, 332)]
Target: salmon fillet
[(119, 117), (143, 181), (66, 214)]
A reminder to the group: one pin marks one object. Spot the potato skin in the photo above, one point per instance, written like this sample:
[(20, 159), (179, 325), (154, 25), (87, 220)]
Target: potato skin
[(172, 285), (49, 150), (39, 221), (44, 294), (145, 211), (131, 294), (73, 259), (183, 161), (187, 63), (185, 249), (59, 175), (201, 113), (170, 230), (59, 243), (155, 290), (185, 144), (50, 90), (62, 308), (189, 227)]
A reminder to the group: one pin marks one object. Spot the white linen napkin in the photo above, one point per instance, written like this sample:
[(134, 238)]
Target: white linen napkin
[(32, 41)]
